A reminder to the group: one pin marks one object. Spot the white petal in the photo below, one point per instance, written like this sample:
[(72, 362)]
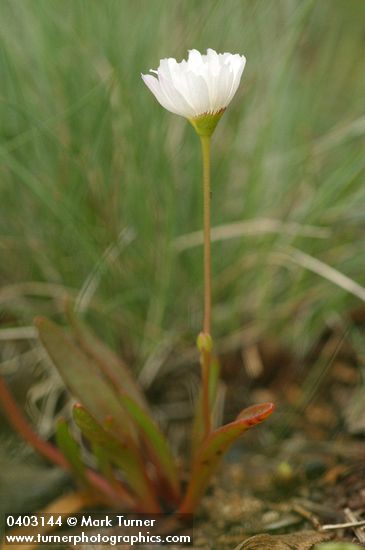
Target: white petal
[(213, 80), (201, 84), (154, 85), (213, 61), (238, 66), (164, 67), (195, 60), (181, 106), (224, 85), (198, 93), (176, 72)]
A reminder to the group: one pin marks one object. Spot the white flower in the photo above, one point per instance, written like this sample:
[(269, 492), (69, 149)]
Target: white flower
[(202, 85)]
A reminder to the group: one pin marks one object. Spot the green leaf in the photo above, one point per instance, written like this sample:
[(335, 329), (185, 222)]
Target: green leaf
[(209, 455), (83, 377), (110, 364), (124, 455), (157, 445), (71, 450), (103, 462), (105, 467)]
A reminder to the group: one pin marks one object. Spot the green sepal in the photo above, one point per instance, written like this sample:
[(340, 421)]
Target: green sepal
[(204, 342), (205, 125)]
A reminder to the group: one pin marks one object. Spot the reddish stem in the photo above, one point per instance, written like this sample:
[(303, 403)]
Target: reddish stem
[(205, 144), (207, 322), (22, 426)]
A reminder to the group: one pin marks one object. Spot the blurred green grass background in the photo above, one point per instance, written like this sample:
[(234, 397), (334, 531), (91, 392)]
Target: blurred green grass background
[(99, 183)]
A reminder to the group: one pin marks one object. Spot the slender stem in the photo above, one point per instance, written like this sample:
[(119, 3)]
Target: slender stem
[(207, 322), (205, 143)]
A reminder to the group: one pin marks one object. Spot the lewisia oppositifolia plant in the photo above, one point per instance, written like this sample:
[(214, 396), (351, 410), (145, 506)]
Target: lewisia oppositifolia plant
[(134, 468)]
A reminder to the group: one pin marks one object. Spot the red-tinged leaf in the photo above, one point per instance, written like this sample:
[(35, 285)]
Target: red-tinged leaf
[(157, 446), (209, 455), (125, 456), (71, 451), (110, 364), (83, 377), (198, 426)]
